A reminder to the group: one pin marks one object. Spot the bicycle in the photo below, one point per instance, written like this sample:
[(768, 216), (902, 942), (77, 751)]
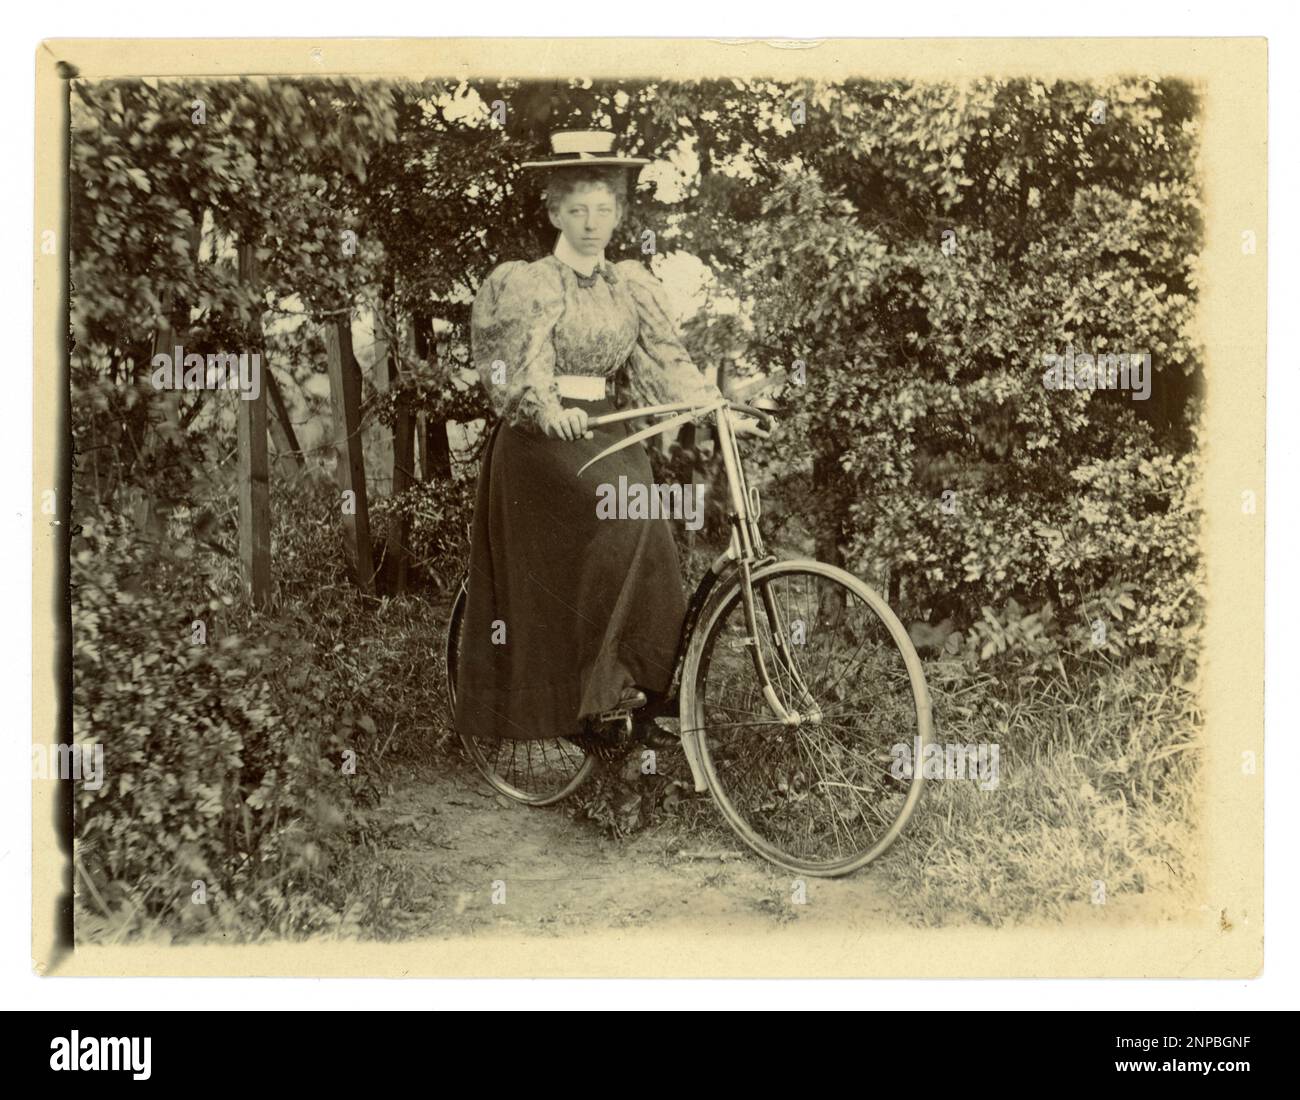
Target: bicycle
[(801, 757)]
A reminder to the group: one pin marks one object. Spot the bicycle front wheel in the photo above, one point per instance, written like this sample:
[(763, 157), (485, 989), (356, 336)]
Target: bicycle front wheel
[(828, 793), (537, 772)]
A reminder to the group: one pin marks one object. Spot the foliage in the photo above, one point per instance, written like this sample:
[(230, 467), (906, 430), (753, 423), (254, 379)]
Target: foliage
[(438, 517), (275, 164), (225, 761), (215, 766), (918, 247), (914, 249), (922, 284)]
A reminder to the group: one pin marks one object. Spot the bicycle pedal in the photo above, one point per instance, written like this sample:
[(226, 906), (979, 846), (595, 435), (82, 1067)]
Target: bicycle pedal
[(619, 728), (607, 740)]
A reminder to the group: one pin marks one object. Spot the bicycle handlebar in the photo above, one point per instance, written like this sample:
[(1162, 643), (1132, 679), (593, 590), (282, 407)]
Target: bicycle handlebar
[(766, 421), (647, 410), (765, 418)]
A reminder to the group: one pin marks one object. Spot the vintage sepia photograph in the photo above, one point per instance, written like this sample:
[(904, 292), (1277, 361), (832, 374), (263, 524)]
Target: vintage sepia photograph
[(506, 508)]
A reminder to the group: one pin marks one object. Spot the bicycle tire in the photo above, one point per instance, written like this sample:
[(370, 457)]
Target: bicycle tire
[(730, 755), (548, 772)]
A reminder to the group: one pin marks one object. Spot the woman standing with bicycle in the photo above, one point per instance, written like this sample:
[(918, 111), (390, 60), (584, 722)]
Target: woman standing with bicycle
[(569, 617)]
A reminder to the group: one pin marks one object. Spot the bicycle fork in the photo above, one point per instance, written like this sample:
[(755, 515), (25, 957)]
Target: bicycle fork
[(747, 546), (746, 549)]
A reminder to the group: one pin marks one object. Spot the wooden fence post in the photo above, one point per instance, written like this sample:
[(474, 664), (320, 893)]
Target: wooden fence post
[(345, 392), (396, 554), (254, 465)]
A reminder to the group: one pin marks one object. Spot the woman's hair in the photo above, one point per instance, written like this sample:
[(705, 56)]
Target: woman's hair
[(562, 182)]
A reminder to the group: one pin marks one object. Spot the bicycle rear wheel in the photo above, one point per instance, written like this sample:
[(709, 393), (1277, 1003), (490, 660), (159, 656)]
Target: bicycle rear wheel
[(828, 795), (536, 772)]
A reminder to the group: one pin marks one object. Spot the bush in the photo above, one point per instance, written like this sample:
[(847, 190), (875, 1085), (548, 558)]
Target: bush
[(225, 761), (921, 299), (206, 759), (438, 516)]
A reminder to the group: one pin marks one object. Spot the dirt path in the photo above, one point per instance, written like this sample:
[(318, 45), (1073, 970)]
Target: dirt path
[(459, 838)]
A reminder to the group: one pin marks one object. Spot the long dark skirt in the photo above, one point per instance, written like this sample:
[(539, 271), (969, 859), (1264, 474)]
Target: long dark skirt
[(564, 609)]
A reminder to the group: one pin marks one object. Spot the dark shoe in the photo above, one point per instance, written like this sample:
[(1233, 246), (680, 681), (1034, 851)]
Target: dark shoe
[(649, 733)]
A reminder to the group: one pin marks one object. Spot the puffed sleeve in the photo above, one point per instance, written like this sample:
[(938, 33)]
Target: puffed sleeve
[(659, 370), (514, 314)]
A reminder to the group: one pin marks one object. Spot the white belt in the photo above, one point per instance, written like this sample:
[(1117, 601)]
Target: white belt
[(581, 387)]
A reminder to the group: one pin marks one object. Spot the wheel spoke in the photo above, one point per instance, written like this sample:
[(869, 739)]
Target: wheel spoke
[(533, 770), (818, 791)]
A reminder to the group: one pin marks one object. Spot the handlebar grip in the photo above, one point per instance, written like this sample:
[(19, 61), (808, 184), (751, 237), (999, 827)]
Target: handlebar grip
[(765, 419)]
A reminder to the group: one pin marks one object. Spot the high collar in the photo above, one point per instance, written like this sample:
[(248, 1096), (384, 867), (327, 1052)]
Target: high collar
[(583, 265)]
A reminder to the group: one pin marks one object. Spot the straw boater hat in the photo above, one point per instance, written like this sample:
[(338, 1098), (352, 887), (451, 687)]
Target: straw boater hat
[(583, 148)]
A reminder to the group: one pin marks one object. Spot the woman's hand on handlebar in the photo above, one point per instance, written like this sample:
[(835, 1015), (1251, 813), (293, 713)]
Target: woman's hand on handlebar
[(748, 425), (567, 424)]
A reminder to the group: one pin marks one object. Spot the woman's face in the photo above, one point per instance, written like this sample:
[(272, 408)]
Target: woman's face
[(587, 216)]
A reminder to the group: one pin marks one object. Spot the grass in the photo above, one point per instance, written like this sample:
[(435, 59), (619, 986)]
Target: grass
[(1096, 798)]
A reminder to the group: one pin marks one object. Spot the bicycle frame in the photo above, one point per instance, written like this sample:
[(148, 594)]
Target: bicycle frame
[(744, 555), (745, 512)]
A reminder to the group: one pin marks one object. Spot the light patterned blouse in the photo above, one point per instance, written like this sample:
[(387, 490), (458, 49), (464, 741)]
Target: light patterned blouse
[(532, 321)]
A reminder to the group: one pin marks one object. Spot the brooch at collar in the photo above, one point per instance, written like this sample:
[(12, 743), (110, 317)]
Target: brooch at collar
[(603, 271)]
